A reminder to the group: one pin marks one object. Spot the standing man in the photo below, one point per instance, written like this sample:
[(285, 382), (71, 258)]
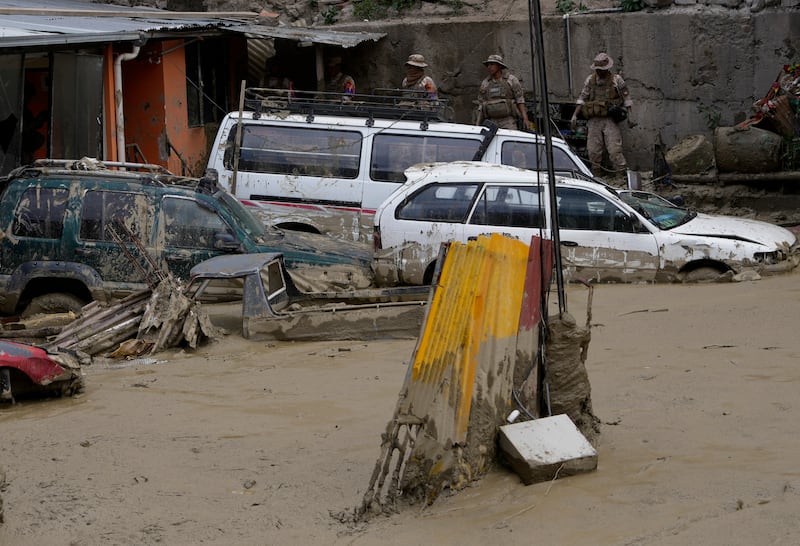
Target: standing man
[(604, 102), (501, 98), (423, 86), (337, 81)]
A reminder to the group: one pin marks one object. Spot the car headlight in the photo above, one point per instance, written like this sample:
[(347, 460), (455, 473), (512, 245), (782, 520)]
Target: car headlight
[(769, 258)]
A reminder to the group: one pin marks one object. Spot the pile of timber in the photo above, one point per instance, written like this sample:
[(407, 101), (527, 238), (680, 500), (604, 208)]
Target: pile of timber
[(157, 319)]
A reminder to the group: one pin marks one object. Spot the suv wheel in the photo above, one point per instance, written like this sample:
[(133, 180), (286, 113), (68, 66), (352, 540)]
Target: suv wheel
[(56, 302)]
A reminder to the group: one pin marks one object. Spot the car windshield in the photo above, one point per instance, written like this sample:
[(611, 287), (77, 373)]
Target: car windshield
[(252, 225), (656, 209)]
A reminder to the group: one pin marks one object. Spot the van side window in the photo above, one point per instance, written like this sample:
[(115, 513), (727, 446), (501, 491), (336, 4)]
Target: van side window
[(581, 209), (189, 225), (40, 213), (510, 206), (296, 151), (439, 203), (531, 156), (393, 154), (103, 209)]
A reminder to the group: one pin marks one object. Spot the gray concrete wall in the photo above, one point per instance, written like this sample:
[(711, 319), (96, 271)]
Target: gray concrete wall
[(684, 66)]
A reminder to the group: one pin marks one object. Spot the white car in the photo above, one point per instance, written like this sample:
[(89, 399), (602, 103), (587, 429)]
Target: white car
[(603, 237)]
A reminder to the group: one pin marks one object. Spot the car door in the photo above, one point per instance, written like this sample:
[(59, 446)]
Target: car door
[(527, 153), (114, 225), (517, 211), (189, 231), (601, 241), (38, 225)]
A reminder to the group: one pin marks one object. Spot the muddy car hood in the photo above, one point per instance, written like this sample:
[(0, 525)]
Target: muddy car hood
[(743, 229), (335, 250)]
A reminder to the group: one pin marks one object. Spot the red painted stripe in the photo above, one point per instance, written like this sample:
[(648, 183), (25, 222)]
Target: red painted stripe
[(355, 210)]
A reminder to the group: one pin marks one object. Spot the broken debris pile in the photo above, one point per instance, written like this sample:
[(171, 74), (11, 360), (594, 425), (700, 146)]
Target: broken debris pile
[(143, 323), (766, 143), (779, 110)]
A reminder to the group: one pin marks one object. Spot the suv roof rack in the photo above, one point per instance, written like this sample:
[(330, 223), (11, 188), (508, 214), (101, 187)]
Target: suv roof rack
[(382, 104), (92, 164), (144, 173)]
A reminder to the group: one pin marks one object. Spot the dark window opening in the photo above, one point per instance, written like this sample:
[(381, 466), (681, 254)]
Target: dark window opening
[(207, 62)]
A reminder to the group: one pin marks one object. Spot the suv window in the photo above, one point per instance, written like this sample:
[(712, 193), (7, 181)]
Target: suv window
[(190, 225), (393, 154), (510, 206), (532, 156), (297, 151), (439, 202), (40, 213), (103, 209)]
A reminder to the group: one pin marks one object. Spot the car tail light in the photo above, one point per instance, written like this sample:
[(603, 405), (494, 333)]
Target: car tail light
[(376, 239)]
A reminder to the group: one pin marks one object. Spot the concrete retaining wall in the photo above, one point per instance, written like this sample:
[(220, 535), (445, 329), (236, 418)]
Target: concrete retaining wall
[(689, 68)]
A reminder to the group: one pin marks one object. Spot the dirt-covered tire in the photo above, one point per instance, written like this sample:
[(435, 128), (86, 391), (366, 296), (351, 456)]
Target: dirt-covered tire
[(701, 274), (55, 302)]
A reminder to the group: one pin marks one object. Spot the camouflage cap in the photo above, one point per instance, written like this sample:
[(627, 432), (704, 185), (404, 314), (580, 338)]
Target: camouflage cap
[(417, 60), (496, 59), (602, 62)]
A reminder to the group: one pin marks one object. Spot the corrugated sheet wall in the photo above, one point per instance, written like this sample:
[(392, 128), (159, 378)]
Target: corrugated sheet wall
[(474, 317)]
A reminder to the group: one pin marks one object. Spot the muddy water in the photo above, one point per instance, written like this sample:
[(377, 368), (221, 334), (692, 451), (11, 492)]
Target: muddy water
[(256, 443)]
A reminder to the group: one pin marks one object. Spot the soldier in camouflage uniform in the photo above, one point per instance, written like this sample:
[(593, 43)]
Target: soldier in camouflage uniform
[(604, 102), (416, 81), (500, 97)]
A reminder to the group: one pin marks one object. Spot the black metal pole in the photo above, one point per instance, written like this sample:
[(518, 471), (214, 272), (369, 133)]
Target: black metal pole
[(535, 12)]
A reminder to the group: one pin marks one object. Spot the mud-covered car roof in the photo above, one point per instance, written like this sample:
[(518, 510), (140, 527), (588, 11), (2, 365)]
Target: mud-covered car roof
[(88, 168)]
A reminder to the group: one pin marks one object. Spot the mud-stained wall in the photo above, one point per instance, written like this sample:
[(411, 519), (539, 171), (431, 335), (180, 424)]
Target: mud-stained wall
[(156, 110), (687, 68)]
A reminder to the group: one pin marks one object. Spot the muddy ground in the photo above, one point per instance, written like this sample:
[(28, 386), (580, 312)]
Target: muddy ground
[(247, 442)]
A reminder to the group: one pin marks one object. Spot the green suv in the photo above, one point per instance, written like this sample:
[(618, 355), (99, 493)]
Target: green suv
[(77, 231)]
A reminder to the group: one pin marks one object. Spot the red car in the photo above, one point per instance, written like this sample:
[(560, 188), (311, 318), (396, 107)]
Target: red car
[(25, 369)]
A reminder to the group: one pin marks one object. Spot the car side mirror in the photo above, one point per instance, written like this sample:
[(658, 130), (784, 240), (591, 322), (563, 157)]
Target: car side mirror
[(226, 242), (628, 223), (637, 225)]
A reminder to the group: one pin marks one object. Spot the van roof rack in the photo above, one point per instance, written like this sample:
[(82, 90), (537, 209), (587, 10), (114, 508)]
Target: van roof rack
[(381, 104)]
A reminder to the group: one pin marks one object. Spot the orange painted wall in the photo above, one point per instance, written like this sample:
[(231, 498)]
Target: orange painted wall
[(154, 89)]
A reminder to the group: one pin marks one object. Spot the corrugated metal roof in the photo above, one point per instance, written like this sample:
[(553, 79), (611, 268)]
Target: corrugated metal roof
[(59, 22), (315, 35)]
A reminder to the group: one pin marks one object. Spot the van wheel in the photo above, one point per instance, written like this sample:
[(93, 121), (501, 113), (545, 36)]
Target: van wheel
[(55, 302)]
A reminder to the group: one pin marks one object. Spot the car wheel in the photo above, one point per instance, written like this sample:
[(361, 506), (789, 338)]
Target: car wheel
[(56, 302), (701, 274)]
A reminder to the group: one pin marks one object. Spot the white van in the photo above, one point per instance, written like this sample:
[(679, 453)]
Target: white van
[(326, 168)]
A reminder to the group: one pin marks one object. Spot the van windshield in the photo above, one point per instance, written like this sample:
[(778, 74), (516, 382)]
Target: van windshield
[(248, 222)]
